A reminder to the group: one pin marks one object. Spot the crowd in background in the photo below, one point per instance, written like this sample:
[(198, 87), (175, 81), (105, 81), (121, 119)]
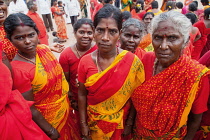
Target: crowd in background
[(138, 70)]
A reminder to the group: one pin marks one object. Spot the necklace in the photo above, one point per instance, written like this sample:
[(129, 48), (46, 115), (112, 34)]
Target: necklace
[(98, 60), (78, 51), (26, 58)]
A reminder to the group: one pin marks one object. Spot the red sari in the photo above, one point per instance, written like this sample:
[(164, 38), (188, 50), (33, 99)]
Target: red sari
[(199, 44), (15, 115), (164, 101), (204, 131), (106, 111), (92, 10), (60, 22), (7, 46), (140, 53)]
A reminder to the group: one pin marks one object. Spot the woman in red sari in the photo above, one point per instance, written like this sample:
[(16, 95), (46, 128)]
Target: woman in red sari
[(204, 131), (59, 21), (204, 28), (39, 77), (171, 101), (70, 58), (139, 11), (131, 34), (15, 115), (107, 78)]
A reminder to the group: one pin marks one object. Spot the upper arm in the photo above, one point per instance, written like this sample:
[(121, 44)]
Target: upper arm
[(82, 91), (28, 95)]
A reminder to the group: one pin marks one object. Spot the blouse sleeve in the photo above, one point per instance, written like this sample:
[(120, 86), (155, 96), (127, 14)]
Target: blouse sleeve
[(63, 60), (200, 102), (81, 71)]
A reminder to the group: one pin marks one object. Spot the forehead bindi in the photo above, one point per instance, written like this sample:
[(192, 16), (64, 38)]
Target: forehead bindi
[(109, 23)]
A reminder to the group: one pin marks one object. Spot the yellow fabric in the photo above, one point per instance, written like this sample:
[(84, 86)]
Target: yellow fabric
[(126, 5), (206, 7), (149, 48), (159, 12), (111, 110), (206, 130), (56, 113)]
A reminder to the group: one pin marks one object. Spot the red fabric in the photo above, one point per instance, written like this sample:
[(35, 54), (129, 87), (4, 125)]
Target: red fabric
[(100, 92), (7, 46), (141, 15), (24, 71), (157, 93), (69, 63), (135, 15), (206, 47), (97, 8), (140, 53), (41, 27), (15, 115), (199, 44)]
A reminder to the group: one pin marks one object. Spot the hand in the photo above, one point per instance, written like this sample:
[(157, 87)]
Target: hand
[(74, 104), (127, 130), (53, 134), (56, 47), (85, 131)]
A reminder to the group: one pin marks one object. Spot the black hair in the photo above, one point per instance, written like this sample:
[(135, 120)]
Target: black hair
[(193, 18), (141, 7), (205, 2), (54, 33), (106, 12), (154, 4), (81, 21), (192, 7), (17, 19), (52, 1), (196, 3), (170, 5), (59, 2), (148, 13), (207, 13), (107, 1), (179, 5), (30, 4), (126, 15)]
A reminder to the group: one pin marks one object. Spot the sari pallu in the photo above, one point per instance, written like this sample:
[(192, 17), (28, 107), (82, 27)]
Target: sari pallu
[(50, 90), (108, 93), (164, 101)]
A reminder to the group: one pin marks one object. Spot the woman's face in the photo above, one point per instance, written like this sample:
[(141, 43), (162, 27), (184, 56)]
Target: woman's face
[(3, 11), (84, 35), (148, 19), (168, 43), (130, 38), (25, 39), (55, 2), (106, 34)]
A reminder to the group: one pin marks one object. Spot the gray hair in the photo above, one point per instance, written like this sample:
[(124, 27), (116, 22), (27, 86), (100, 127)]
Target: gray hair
[(30, 4), (136, 23), (181, 23)]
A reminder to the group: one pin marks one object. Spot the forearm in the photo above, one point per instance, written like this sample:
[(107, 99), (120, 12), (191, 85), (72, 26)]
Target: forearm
[(82, 103), (131, 116), (192, 126)]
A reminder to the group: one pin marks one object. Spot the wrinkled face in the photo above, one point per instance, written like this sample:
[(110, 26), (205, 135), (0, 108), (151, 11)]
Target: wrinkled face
[(106, 34), (3, 11), (168, 43), (34, 6), (84, 35), (148, 19), (130, 38), (25, 39)]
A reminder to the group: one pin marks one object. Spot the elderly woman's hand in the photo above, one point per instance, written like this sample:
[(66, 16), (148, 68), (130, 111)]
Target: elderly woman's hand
[(53, 134), (85, 130), (56, 47)]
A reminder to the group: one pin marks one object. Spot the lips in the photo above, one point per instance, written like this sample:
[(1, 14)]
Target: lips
[(163, 55), (30, 48), (2, 15)]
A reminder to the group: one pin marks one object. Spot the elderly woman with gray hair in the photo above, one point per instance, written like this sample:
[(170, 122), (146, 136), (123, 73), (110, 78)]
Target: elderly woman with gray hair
[(131, 34), (171, 101)]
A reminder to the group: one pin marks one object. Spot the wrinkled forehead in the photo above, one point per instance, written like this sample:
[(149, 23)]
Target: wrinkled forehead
[(165, 26)]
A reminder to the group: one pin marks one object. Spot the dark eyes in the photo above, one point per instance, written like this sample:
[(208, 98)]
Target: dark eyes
[(1, 2), (170, 38), (83, 32)]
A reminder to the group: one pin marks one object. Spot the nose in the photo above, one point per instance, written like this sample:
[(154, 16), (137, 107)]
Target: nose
[(27, 40), (106, 36), (164, 44), (85, 35), (131, 39)]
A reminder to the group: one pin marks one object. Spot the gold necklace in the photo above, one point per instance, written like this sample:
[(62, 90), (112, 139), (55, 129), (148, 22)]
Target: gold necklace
[(78, 51), (26, 58)]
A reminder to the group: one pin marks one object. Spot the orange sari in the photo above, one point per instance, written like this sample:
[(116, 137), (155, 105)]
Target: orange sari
[(7, 46), (108, 108), (146, 43), (163, 102), (60, 22)]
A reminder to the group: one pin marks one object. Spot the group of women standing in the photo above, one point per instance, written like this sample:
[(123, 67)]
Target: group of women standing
[(113, 95)]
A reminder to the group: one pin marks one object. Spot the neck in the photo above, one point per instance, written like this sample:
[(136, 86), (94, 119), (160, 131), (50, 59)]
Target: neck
[(28, 55), (32, 11), (108, 55), (83, 48)]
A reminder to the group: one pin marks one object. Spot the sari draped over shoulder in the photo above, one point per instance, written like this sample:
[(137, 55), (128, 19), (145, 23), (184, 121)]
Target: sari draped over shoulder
[(50, 90), (146, 43), (108, 95), (7, 46), (163, 102)]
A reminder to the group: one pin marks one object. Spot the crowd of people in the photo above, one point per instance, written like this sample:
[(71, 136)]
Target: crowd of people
[(140, 72)]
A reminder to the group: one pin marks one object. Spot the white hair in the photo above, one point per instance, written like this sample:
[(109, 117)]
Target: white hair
[(181, 23)]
